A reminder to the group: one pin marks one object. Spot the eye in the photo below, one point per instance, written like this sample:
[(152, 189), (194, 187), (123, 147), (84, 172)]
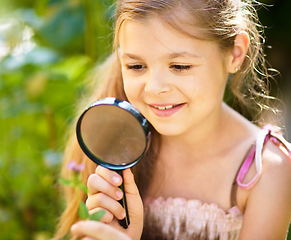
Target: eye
[(180, 68), (135, 67)]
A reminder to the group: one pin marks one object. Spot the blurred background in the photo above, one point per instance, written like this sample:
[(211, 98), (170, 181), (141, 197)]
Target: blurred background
[(48, 50)]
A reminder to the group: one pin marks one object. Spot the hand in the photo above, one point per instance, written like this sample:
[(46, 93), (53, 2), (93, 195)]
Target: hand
[(97, 230), (104, 193)]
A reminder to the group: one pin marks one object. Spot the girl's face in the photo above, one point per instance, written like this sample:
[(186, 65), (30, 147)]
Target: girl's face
[(175, 81)]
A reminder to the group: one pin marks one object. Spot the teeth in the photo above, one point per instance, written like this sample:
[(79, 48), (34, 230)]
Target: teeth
[(164, 108)]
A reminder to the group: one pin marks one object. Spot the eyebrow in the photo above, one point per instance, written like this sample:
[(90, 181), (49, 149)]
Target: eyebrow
[(166, 56), (180, 54), (132, 56)]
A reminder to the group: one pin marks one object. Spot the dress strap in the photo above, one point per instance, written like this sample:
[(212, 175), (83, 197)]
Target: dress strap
[(266, 133), (234, 186)]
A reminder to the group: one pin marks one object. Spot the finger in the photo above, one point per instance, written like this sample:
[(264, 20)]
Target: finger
[(106, 218), (96, 184), (110, 176), (134, 202), (88, 238), (129, 183), (104, 201), (97, 230)]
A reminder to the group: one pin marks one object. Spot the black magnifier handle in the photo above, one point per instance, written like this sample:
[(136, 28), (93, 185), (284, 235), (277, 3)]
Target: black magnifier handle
[(124, 222)]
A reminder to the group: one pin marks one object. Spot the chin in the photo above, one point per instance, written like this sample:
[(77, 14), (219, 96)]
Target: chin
[(169, 131)]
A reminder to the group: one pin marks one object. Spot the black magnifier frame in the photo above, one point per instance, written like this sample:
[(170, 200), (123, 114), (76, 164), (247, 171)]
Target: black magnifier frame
[(112, 102)]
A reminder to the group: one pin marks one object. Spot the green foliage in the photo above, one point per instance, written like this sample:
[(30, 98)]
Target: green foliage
[(47, 48), (84, 214), (83, 211), (97, 215)]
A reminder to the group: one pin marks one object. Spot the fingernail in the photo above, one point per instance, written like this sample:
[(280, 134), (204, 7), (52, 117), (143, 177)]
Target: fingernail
[(116, 179), (119, 194), (123, 214)]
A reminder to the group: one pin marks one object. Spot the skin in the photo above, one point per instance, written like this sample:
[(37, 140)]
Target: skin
[(97, 230), (203, 140)]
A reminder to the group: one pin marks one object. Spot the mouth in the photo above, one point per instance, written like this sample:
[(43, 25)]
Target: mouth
[(166, 110), (166, 107)]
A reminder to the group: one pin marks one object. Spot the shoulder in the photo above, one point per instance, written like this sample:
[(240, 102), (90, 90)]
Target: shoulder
[(270, 171), (276, 171), (272, 156), (276, 166), (275, 176), (268, 203), (276, 158)]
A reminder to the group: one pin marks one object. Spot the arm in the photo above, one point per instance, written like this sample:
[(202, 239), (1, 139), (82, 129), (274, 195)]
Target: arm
[(268, 206)]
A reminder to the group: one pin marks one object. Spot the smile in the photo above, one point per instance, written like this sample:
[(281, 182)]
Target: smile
[(164, 107), (166, 110)]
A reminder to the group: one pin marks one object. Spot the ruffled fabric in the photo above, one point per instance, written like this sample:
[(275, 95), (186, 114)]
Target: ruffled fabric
[(183, 219)]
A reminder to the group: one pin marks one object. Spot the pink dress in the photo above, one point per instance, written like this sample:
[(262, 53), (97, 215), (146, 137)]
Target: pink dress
[(181, 219)]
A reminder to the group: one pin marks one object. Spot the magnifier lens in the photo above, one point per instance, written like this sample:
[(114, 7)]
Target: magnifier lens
[(112, 134)]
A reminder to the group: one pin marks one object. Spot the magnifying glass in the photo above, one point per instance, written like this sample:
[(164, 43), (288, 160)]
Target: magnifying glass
[(115, 135)]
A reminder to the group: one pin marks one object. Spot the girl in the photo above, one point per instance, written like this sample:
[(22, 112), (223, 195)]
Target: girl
[(209, 172)]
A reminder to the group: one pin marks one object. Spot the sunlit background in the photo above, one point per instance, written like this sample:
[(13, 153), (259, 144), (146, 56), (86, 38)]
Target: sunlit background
[(47, 49)]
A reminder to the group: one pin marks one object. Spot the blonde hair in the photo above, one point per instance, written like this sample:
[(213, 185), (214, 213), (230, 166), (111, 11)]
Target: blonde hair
[(217, 20)]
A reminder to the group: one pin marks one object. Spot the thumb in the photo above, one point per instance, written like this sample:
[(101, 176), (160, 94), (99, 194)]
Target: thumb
[(134, 204), (129, 183)]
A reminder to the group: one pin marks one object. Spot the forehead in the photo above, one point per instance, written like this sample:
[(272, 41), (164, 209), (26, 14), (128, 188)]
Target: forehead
[(173, 22), (156, 35)]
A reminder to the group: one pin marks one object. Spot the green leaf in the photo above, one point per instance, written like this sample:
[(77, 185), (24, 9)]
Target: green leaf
[(83, 188), (97, 215), (65, 182), (83, 211)]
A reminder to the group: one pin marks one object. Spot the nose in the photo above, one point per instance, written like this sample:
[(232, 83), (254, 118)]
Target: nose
[(157, 83)]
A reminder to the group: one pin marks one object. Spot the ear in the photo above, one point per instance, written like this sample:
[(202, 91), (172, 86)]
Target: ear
[(239, 51)]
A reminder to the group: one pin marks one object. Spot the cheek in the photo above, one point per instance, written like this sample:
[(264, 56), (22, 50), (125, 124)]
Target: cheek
[(126, 85), (184, 86), (131, 88), (213, 80)]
